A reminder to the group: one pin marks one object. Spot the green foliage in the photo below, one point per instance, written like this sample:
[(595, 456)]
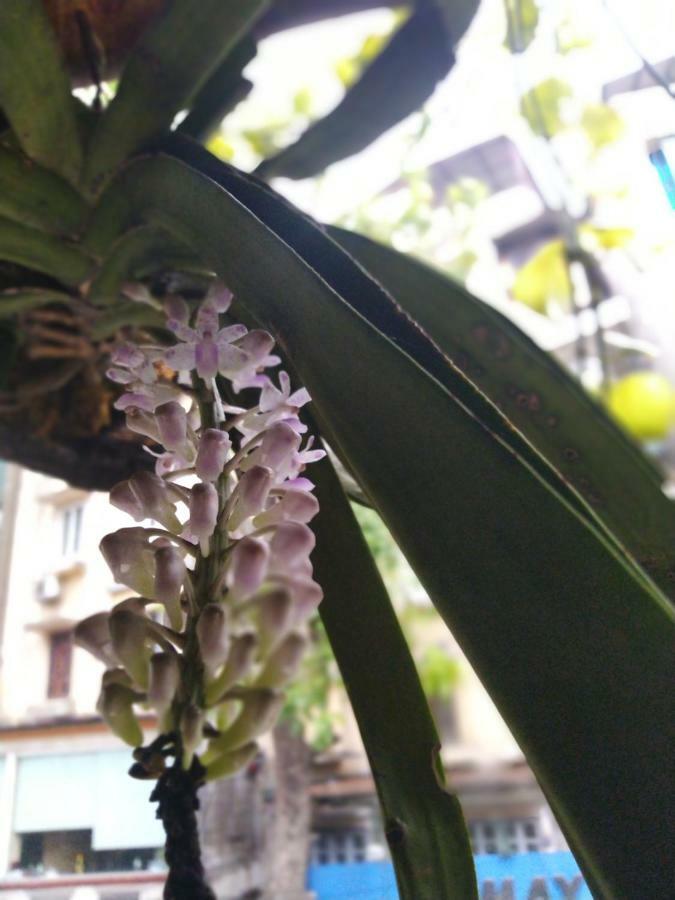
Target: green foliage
[(602, 124), (522, 20), (542, 106), (451, 440), (439, 672)]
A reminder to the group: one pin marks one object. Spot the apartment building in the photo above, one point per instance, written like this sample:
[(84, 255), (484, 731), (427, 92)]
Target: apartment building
[(69, 815)]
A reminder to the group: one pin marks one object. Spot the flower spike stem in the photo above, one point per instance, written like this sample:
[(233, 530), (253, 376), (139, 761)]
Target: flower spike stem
[(177, 803), (233, 548)]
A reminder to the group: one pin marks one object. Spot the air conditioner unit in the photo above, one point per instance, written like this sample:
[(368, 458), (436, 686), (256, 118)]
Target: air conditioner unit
[(48, 589)]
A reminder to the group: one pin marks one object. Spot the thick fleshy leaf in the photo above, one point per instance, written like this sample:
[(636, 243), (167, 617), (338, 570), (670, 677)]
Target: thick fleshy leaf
[(35, 88), (573, 646), (423, 822), (395, 84), (43, 253), (221, 93), (172, 61), (138, 252), (37, 197), (540, 398), (360, 290)]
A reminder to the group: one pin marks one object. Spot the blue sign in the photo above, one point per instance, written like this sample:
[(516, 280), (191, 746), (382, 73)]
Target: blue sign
[(526, 876)]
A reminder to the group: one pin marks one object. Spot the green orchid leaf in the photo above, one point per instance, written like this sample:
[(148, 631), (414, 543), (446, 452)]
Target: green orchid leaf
[(35, 89), (164, 74), (143, 249), (423, 821), (222, 92), (31, 195), (572, 644), (301, 233), (541, 399), (416, 58), (44, 253)]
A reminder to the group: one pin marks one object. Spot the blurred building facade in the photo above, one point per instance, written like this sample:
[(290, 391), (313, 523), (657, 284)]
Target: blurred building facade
[(70, 816)]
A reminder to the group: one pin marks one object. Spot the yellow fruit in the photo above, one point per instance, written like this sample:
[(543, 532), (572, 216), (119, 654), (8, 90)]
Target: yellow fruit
[(644, 404)]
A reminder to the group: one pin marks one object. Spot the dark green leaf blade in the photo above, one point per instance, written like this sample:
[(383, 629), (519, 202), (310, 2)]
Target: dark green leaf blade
[(167, 68), (395, 84), (44, 253), (423, 821), (540, 398), (37, 197), (222, 92), (573, 648), (35, 89)]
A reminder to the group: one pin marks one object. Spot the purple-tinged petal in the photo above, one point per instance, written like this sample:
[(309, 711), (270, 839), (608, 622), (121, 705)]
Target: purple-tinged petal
[(206, 358), (176, 309), (182, 357), (220, 296), (127, 355), (230, 333)]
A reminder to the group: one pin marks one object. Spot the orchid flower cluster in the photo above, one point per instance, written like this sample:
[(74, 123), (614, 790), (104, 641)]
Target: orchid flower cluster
[(227, 555)]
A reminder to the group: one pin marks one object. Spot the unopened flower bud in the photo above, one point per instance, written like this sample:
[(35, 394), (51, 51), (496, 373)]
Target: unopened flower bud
[(278, 445), (213, 636), (230, 762), (295, 506), (252, 492), (143, 422), (122, 496), (154, 496), (129, 558), (275, 616), (115, 704), (247, 567), (283, 663), (93, 634), (239, 662), (191, 724), (203, 513), (177, 310), (307, 595), (291, 544), (214, 446), (117, 676), (164, 678), (129, 632), (170, 572), (172, 424), (259, 712)]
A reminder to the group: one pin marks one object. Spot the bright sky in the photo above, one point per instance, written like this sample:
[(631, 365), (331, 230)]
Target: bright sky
[(479, 98)]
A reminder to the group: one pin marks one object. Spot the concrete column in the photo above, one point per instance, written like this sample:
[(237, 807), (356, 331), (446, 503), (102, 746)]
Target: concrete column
[(7, 799)]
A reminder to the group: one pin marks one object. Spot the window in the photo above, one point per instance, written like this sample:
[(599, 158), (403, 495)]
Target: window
[(505, 836), (338, 847), (60, 655), (71, 530)]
